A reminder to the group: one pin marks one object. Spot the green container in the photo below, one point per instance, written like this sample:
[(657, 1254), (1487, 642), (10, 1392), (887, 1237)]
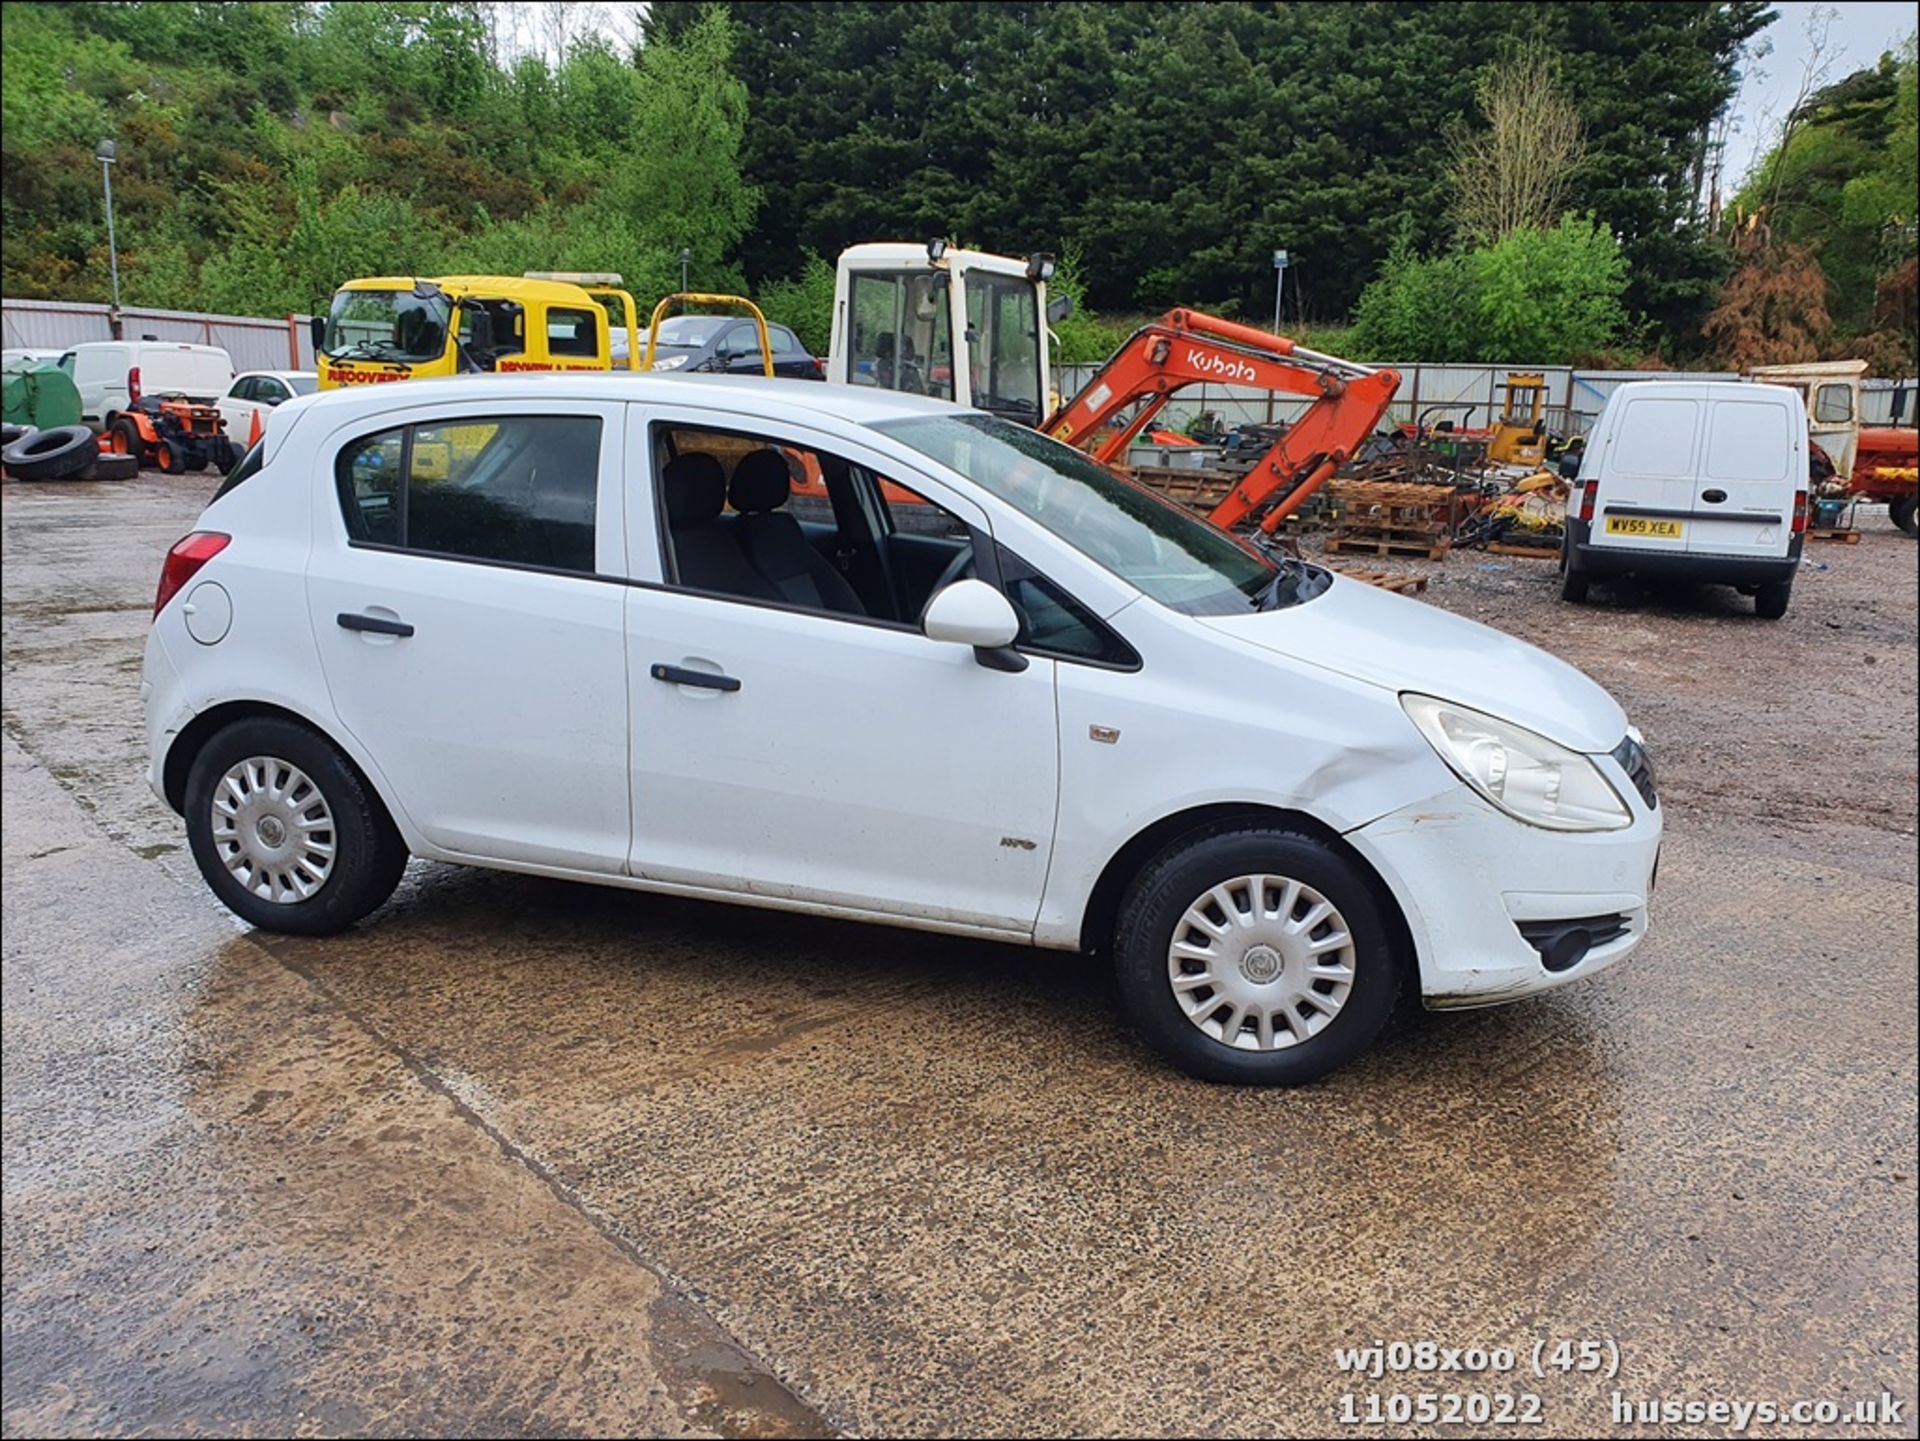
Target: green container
[(40, 394)]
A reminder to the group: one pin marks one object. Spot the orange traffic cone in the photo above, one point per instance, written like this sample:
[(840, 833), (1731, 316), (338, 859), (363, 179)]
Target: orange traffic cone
[(253, 435)]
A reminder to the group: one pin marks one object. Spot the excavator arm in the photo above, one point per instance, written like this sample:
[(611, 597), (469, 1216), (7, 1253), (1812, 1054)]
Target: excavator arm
[(1185, 348)]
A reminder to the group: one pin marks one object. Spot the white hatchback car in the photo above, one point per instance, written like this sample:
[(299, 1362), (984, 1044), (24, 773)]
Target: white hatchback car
[(858, 653)]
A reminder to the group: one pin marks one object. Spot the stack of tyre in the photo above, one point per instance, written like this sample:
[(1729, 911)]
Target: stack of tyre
[(62, 452)]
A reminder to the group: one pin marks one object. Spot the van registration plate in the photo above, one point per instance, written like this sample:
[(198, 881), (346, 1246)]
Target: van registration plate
[(1638, 525)]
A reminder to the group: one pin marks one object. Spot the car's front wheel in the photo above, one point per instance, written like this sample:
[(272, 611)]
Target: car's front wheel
[(285, 830), (1255, 955)]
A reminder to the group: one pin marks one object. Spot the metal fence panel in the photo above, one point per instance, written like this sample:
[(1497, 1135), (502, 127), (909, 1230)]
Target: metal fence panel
[(254, 342)]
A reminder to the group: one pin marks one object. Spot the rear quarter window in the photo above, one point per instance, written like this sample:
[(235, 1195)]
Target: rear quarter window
[(1748, 440)]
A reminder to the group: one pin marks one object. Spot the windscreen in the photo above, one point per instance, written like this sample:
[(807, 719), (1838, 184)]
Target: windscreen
[(1146, 540), (392, 325)]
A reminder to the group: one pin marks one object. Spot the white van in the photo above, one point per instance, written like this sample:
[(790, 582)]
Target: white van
[(111, 374), (1700, 480)]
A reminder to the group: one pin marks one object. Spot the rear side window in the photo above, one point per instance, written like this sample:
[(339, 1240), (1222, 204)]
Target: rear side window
[(1748, 440), (571, 332), (519, 490), (1655, 438), (1833, 405)]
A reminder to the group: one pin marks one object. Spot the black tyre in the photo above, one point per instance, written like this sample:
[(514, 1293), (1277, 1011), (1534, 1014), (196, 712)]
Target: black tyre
[(123, 434), (285, 830), (1254, 955), (1903, 512), (52, 454), (170, 455), (224, 456), (10, 433), (110, 466), (1770, 601), (1573, 583)]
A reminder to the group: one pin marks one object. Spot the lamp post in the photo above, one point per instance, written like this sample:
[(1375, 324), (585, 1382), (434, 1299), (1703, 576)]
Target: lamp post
[(686, 259), (1279, 284), (104, 153)]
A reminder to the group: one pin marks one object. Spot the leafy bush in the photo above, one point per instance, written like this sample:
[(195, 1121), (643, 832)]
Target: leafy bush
[(804, 303), (1545, 297)]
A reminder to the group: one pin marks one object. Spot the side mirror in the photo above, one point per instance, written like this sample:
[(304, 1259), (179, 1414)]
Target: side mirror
[(1059, 308), (317, 328), (971, 612)]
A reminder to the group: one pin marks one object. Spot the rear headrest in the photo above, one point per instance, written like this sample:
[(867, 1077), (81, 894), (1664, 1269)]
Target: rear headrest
[(695, 488), (761, 481)]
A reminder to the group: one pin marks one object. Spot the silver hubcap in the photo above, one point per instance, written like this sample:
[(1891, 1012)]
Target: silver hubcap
[(273, 829), (1261, 963)]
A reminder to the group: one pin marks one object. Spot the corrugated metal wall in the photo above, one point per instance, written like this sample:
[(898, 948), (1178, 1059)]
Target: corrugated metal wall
[(1470, 395), (253, 342)]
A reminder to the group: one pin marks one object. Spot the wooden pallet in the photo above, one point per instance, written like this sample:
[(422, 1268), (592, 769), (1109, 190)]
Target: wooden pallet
[(1429, 547), (1526, 552), (1845, 536), (1385, 579)]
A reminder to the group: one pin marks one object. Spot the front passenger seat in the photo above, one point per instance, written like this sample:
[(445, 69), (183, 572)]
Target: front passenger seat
[(774, 544), (705, 554)]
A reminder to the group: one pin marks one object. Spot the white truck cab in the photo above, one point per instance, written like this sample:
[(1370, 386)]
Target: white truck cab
[(897, 307), (1699, 480)]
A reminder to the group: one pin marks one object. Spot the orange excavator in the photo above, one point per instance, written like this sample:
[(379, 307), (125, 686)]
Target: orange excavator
[(1185, 348)]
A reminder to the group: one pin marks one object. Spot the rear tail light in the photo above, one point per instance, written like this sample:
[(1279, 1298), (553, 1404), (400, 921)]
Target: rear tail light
[(189, 553), (1588, 494), (819, 367), (133, 385), (1799, 512)]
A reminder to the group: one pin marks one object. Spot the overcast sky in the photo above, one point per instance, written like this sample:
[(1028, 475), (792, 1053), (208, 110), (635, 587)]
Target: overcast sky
[(1860, 31)]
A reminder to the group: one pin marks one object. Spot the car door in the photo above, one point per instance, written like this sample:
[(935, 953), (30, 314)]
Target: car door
[(236, 408), (1753, 461), (466, 594), (1647, 464), (839, 761)]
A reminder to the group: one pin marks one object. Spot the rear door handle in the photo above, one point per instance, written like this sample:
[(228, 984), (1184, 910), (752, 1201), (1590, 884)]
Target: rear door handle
[(680, 675), (1713, 497), (378, 625)]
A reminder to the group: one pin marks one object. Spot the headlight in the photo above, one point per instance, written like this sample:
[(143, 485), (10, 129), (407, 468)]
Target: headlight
[(1526, 775), (670, 362)]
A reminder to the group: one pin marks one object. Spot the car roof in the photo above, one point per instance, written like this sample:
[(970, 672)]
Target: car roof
[(282, 374), (753, 395)]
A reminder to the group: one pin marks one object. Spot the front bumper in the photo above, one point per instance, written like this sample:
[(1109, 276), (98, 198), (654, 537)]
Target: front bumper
[(1466, 876)]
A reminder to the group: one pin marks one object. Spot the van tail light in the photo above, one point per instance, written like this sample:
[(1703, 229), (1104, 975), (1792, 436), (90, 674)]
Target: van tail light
[(133, 385), (1799, 512), (189, 553), (1588, 494)]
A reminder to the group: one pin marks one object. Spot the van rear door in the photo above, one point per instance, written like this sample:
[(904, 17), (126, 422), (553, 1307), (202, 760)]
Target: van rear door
[(1646, 473), (1754, 459)]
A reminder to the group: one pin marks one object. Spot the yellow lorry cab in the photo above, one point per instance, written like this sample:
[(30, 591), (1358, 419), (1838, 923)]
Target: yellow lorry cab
[(405, 327)]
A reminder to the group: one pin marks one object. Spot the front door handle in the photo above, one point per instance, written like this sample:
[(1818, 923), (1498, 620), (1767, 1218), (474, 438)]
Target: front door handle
[(681, 675), (378, 625)]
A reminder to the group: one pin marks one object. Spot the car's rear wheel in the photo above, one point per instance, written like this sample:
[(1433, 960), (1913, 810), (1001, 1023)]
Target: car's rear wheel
[(1573, 584), (1770, 601), (1905, 513), (1255, 955), (285, 830)]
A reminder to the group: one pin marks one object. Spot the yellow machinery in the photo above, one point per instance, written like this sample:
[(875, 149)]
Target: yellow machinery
[(1519, 434)]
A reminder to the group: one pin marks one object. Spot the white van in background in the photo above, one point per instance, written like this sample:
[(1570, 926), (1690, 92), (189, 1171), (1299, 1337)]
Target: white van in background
[(1697, 480), (111, 374)]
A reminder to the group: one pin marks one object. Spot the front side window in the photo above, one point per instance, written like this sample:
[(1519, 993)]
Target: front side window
[(1053, 622), (393, 325), (520, 490), (902, 334), (1147, 541)]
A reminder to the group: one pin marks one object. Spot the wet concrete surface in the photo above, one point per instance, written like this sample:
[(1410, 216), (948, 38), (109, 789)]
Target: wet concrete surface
[(519, 1155)]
